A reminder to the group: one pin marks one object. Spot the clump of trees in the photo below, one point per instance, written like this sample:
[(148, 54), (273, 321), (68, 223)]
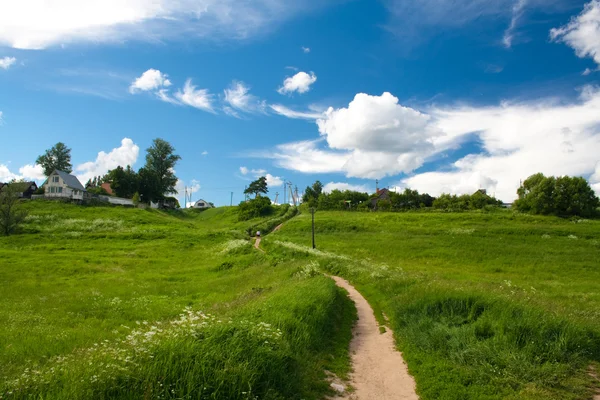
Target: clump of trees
[(11, 213), (343, 200), (409, 200), (312, 193), (476, 201), (563, 196), (259, 206)]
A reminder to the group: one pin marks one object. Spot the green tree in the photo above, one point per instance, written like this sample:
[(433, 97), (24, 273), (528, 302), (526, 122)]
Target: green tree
[(124, 182), (257, 187), (311, 194), (11, 214), (56, 158), (157, 177)]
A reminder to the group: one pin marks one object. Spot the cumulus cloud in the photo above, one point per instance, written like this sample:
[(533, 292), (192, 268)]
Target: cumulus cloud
[(287, 112), (6, 62), (32, 24), (193, 97), (151, 80), (244, 170), (124, 155), (27, 172), (329, 187), (300, 83), (305, 49), (272, 180), (582, 33), (238, 97), (595, 179), (375, 136)]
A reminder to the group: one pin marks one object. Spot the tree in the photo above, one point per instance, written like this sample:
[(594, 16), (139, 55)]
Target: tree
[(311, 194), (158, 175), (124, 182), (11, 215), (56, 158), (563, 196), (257, 187)]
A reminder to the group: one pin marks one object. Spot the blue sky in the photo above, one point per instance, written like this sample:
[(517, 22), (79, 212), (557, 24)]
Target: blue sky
[(434, 95)]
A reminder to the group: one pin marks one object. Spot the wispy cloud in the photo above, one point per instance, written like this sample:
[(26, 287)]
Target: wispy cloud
[(582, 33), (238, 97), (287, 112), (517, 13), (6, 62)]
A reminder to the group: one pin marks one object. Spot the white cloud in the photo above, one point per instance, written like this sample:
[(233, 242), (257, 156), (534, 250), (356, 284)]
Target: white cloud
[(595, 179), (305, 49), (27, 172), (239, 98), (6, 62), (298, 83), (34, 24), (329, 187), (204, 153), (517, 13), (244, 170), (582, 33), (586, 72), (152, 79), (124, 155), (197, 98), (287, 112), (306, 157), (273, 181)]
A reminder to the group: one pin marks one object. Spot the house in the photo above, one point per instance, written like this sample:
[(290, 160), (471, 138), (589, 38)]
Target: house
[(106, 186), (202, 204), (24, 189), (64, 186), (382, 194)]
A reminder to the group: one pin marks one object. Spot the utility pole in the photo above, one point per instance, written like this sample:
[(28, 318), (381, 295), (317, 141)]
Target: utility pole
[(297, 198), (276, 197), (231, 203), (284, 186), (312, 211), (185, 198)]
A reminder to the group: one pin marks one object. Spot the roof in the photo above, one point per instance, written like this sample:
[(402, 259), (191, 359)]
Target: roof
[(70, 180)]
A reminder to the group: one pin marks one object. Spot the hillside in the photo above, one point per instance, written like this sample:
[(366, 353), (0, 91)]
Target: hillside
[(484, 305), (109, 302)]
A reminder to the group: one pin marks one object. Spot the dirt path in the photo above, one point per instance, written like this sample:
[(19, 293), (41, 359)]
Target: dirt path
[(379, 370), (257, 244)]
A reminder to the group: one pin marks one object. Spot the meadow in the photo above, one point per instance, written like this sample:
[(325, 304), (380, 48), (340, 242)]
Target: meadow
[(484, 305), (106, 302)]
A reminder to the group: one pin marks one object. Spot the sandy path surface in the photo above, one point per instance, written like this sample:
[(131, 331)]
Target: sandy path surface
[(379, 370), (257, 244)]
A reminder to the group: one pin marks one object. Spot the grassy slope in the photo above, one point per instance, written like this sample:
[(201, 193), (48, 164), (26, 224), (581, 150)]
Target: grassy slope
[(485, 306), (83, 276)]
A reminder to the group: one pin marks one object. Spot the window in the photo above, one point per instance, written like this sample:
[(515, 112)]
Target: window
[(55, 179), (59, 189), (52, 189)]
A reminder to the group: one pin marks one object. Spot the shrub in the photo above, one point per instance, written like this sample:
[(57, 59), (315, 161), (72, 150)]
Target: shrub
[(255, 208), (11, 214)]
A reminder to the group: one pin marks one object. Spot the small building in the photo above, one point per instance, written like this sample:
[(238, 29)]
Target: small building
[(24, 189), (202, 204), (64, 186), (106, 186), (382, 194)]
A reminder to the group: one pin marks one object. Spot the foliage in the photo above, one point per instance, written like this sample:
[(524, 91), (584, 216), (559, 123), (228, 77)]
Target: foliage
[(483, 305), (453, 203), (269, 225), (97, 190), (312, 193), (56, 158), (257, 187), (156, 177), (11, 213), (255, 208), (410, 200), (40, 190), (338, 200), (136, 198), (562, 196), (124, 182), (171, 202)]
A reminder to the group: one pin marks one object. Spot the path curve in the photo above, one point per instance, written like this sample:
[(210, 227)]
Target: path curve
[(257, 244), (379, 372)]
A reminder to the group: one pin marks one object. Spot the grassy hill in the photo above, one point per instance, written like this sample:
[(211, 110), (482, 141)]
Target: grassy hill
[(484, 305), (103, 302)]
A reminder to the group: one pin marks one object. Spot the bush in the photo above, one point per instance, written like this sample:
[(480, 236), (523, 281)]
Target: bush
[(268, 226), (255, 208), (11, 214)]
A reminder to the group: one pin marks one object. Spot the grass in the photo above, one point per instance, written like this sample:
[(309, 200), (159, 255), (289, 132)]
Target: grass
[(483, 305), (106, 302)]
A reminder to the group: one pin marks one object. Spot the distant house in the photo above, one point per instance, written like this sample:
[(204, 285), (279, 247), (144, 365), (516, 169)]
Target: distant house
[(24, 189), (202, 204), (382, 194), (65, 186), (481, 191), (106, 186)]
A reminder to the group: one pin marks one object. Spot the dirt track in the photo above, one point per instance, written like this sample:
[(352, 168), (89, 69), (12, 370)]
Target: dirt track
[(379, 370)]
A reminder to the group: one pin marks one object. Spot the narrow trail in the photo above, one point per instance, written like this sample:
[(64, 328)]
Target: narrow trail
[(257, 244), (379, 372)]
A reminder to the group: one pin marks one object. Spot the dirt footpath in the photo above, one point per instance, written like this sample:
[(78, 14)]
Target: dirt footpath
[(379, 372)]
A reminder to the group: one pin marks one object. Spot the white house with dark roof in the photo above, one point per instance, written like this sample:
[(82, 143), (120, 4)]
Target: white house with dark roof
[(202, 204), (66, 186)]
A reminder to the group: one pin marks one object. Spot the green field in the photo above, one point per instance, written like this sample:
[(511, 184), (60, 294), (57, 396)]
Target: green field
[(102, 302)]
